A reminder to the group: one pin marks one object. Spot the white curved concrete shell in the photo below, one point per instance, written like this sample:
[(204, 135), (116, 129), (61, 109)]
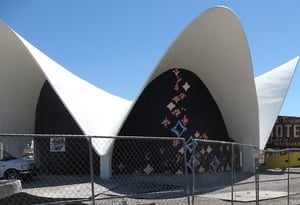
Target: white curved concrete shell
[(271, 88), (24, 69), (213, 47), (219, 55)]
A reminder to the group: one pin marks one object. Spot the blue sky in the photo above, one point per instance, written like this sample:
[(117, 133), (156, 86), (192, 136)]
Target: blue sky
[(115, 45)]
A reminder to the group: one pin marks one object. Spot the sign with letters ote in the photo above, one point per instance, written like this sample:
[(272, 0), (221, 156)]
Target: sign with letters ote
[(285, 133)]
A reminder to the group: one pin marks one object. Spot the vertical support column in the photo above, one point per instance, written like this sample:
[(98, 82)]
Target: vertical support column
[(248, 159), (105, 166)]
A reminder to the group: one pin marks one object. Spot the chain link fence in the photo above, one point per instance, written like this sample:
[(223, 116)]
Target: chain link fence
[(65, 169), (219, 172), (280, 175)]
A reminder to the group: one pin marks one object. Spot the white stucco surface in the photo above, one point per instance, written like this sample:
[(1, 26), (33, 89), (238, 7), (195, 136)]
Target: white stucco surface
[(271, 88), (213, 46)]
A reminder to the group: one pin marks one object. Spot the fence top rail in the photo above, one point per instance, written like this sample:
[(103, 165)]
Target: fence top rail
[(89, 136), (281, 150), (226, 142), (120, 137), (144, 137)]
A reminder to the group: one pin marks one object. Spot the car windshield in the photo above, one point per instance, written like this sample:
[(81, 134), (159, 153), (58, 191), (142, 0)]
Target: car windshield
[(7, 156)]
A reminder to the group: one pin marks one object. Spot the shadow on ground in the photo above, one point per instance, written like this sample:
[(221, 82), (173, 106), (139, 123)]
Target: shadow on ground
[(27, 199)]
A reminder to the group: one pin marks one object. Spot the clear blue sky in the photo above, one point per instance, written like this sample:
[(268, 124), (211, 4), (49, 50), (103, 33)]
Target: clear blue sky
[(115, 45)]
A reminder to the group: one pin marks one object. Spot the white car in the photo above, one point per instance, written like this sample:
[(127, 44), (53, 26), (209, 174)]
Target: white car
[(13, 168)]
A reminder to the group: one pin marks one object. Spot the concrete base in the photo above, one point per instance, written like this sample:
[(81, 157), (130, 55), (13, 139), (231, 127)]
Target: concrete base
[(9, 187), (248, 196)]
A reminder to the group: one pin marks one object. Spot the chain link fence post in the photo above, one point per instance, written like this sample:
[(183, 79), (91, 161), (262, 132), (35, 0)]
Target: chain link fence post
[(232, 171), (288, 180), (193, 172), (186, 173), (256, 155), (91, 170)]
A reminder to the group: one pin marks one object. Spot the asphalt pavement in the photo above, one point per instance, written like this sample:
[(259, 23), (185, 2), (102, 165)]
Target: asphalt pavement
[(275, 187)]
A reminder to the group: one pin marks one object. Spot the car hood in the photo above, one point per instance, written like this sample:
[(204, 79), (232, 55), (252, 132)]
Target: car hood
[(19, 161)]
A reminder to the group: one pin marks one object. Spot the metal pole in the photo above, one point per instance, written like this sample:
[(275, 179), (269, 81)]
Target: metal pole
[(288, 185), (256, 175), (186, 173), (193, 173), (232, 172), (91, 170)]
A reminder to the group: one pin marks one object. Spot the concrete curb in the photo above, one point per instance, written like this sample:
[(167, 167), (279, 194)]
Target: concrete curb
[(9, 187)]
